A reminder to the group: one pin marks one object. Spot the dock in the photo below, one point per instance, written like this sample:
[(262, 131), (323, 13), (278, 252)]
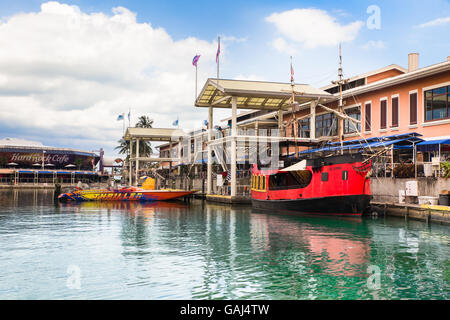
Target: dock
[(229, 199), (422, 212)]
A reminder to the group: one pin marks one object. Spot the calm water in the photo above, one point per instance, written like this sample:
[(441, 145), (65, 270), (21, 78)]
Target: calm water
[(207, 251)]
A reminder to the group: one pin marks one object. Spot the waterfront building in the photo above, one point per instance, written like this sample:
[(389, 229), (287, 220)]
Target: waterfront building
[(405, 110), (30, 162)]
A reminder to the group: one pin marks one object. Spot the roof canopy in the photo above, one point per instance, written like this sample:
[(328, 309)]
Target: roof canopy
[(154, 134), (256, 94)]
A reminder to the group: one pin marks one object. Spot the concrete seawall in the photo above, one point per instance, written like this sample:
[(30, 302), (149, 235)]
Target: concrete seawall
[(387, 189)]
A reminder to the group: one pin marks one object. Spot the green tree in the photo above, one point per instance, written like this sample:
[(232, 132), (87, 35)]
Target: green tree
[(145, 148), (144, 122)]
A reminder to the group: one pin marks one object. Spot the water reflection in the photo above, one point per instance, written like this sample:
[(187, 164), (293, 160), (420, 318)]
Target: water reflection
[(170, 250), (337, 246)]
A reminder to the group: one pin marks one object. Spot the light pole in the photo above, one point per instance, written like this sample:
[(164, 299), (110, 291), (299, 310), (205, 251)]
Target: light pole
[(43, 157)]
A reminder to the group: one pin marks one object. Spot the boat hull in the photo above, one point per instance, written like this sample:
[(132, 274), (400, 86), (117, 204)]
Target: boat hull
[(335, 205), (126, 195)]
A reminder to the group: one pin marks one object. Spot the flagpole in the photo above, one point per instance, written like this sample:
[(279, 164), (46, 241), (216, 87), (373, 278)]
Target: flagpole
[(196, 70), (218, 58)]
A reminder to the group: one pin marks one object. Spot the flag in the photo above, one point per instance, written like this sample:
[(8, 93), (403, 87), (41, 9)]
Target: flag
[(218, 51), (195, 60), (229, 175), (205, 123), (120, 117), (175, 123), (129, 114)]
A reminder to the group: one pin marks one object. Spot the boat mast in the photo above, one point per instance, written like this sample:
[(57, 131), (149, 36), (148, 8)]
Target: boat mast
[(340, 82), (293, 120)]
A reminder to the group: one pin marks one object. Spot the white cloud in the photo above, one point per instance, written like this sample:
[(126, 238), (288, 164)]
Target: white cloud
[(283, 46), (312, 28), (435, 22), (66, 73)]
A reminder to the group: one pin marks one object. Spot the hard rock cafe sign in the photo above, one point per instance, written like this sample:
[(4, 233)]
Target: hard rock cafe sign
[(37, 157)]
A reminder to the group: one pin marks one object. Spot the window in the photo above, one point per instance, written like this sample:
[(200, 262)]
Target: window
[(383, 114), (326, 125), (259, 183), (350, 126), (290, 180), (345, 175), (394, 112), (324, 176), (263, 182), (413, 108), (368, 123), (304, 130), (437, 103)]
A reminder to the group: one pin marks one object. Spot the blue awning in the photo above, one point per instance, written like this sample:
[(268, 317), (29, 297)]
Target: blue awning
[(401, 141), (431, 145)]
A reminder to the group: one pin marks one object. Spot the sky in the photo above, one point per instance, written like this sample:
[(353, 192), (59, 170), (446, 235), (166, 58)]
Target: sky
[(69, 68)]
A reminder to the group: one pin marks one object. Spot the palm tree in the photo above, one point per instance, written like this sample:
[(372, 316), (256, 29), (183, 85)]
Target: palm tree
[(124, 146), (144, 122), (145, 148)]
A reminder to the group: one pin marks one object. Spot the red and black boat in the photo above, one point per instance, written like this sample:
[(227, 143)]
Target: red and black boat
[(334, 185)]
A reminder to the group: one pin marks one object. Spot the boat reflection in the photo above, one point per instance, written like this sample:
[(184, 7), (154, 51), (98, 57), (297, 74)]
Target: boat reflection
[(131, 207), (338, 246)]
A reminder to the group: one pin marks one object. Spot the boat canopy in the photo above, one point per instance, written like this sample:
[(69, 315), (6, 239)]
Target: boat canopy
[(296, 167)]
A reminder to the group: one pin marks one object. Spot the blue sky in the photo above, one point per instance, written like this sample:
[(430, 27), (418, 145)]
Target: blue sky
[(258, 38)]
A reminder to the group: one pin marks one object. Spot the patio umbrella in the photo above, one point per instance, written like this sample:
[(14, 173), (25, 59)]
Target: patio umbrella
[(70, 166), (37, 164), (13, 164), (49, 165)]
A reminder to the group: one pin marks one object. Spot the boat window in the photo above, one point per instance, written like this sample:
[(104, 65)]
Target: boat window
[(263, 182), (259, 183), (290, 180), (324, 176), (345, 175)]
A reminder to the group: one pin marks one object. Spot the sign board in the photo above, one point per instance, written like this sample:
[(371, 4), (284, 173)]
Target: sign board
[(411, 188)]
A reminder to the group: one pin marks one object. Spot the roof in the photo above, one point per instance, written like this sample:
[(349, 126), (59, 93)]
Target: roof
[(409, 76), (255, 94), (20, 142), (370, 73), (154, 134)]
